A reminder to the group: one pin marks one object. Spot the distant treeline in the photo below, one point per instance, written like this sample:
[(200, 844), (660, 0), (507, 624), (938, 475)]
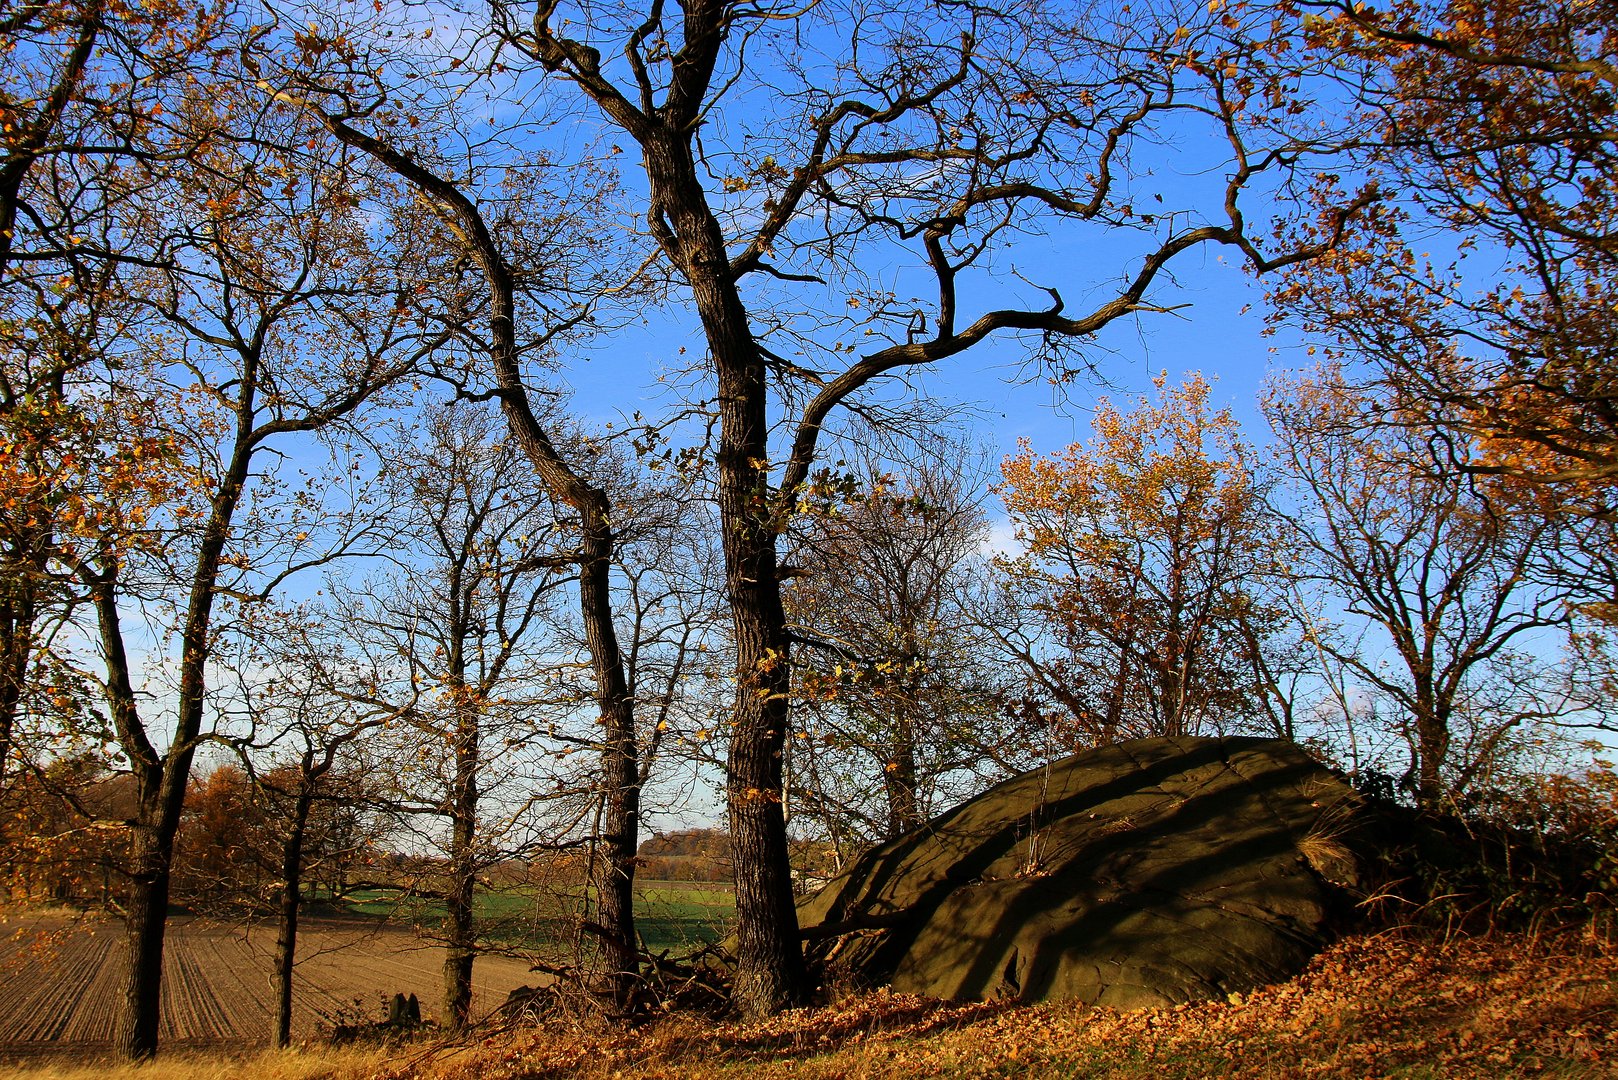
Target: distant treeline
[(686, 855)]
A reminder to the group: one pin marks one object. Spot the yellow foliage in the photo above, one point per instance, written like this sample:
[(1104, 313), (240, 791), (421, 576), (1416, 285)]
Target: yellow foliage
[(1142, 549)]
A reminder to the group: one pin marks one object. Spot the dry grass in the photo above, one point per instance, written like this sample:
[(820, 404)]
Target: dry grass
[(1467, 1009), (307, 1064)]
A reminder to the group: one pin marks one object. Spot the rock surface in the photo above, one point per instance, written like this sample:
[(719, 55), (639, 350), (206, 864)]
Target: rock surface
[(1148, 873)]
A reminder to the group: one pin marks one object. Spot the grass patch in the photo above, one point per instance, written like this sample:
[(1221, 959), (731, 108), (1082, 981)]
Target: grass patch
[(678, 916)]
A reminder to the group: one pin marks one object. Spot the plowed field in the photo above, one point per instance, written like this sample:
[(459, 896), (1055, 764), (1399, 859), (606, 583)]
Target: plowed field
[(60, 982)]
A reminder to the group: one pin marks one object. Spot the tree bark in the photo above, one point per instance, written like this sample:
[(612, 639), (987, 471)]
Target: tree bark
[(899, 775), (1432, 750), (161, 780), (620, 772), (459, 923), (145, 923), (771, 974), (156, 820), (18, 611), (286, 939)]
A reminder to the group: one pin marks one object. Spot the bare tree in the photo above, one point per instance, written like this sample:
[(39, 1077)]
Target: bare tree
[(457, 630), (1461, 628), (898, 701), (307, 806), (521, 301)]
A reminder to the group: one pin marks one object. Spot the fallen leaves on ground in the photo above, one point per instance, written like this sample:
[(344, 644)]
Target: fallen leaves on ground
[(1367, 1007)]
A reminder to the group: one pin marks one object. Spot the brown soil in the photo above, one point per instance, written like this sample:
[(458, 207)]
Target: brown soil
[(61, 980)]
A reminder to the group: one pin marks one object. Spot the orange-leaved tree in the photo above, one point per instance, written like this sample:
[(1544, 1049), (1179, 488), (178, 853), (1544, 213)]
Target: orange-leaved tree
[(82, 84), (1482, 296), (1148, 569)]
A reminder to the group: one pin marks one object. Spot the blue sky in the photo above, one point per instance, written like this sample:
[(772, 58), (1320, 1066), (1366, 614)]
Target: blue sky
[(1219, 333), (1183, 167)]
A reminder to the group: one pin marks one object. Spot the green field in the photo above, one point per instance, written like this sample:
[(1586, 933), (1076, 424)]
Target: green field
[(671, 916), (679, 916)]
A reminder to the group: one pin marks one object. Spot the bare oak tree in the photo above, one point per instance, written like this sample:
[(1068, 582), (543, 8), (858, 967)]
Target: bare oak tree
[(779, 146), (458, 627), (1462, 624), (898, 702)]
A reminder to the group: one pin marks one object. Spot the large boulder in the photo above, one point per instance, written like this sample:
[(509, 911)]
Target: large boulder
[(1148, 873)]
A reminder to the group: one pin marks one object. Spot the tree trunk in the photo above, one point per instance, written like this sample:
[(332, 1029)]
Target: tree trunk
[(17, 615), (286, 939), (145, 921), (615, 881), (770, 974), (458, 967), (899, 776), (620, 751), (151, 847), (459, 924), (161, 780), (620, 769), (1432, 750)]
